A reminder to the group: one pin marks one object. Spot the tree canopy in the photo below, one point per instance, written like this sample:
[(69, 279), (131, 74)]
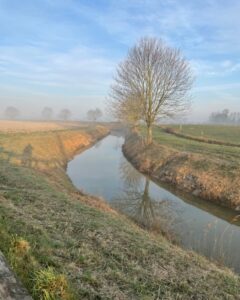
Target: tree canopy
[(152, 82)]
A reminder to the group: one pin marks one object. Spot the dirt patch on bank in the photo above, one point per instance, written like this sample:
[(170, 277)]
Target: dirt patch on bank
[(211, 179)]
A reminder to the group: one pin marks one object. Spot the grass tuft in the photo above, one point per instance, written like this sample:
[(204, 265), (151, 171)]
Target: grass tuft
[(48, 285)]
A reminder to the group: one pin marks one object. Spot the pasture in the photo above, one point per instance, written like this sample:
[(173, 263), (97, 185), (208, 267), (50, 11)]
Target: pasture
[(226, 133), (213, 151)]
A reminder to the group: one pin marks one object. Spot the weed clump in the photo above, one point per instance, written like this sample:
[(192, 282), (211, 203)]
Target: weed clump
[(48, 285)]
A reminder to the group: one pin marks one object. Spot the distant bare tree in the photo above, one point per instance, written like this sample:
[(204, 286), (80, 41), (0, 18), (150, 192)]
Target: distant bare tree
[(150, 83), (94, 114), (12, 112), (65, 114), (47, 113)]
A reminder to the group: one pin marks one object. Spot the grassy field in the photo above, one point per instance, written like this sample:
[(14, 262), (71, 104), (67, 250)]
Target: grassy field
[(209, 171), (66, 245), (216, 132), (227, 153)]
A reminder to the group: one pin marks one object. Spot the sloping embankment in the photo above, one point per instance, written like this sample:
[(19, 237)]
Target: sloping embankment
[(206, 178), (59, 244), (47, 152)]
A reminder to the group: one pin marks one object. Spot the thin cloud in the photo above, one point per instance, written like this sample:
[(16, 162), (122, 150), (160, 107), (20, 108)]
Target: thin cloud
[(70, 48)]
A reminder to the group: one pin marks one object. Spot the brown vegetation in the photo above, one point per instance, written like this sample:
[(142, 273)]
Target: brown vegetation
[(205, 177), (47, 150), (31, 126)]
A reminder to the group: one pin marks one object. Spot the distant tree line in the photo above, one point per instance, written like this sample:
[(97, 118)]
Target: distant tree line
[(47, 114), (225, 117)]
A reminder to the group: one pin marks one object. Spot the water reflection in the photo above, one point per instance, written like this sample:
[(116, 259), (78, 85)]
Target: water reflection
[(129, 176), (137, 202)]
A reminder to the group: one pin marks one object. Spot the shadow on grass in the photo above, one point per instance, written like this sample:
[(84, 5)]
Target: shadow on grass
[(27, 158)]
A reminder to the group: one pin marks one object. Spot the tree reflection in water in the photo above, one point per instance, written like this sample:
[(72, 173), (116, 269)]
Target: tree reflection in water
[(130, 176), (137, 202)]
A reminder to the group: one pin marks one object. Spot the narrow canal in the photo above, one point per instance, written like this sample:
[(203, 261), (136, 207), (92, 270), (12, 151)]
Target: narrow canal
[(194, 224)]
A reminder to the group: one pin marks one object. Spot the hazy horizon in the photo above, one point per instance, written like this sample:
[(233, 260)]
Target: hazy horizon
[(63, 54)]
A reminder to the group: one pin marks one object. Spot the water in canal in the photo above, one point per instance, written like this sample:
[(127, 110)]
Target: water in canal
[(195, 224)]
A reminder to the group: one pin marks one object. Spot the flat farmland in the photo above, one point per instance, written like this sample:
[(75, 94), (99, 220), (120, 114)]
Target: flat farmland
[(225, 133), (36, 126), (226, 154)]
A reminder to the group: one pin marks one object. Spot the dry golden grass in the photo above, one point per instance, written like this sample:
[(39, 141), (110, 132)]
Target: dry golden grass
[(46, 150), (33, 126), (205, 170)]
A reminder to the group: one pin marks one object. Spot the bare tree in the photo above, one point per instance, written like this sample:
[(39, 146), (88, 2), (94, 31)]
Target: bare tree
[(94, 114), (127, 110), (47, 113), (152, 82), (65, 114), (12, 112)]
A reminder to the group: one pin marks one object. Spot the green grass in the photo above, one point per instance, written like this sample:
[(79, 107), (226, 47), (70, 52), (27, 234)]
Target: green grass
[(96, 254), (231, 154), (223, 133)]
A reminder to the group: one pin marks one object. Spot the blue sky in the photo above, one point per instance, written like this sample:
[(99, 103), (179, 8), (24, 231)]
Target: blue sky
[(63, 53)]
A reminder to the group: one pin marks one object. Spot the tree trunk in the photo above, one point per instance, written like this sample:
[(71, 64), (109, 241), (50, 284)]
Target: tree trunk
[(149, 135)]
